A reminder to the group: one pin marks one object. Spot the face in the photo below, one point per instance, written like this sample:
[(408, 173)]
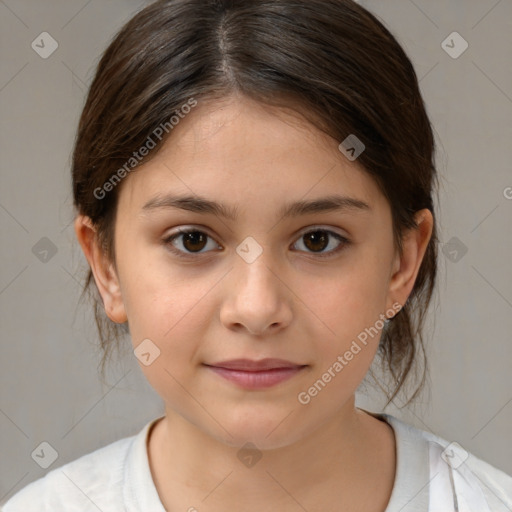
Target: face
[(303, 287)]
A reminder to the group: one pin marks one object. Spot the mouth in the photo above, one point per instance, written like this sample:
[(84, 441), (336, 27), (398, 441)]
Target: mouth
[(251, 374)]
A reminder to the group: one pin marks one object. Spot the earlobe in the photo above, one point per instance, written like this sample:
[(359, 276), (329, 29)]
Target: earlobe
[(102, 268), (415, 242)]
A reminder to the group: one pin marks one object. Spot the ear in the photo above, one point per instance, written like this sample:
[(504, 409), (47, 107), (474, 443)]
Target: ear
[(406, 268), (103, 270)]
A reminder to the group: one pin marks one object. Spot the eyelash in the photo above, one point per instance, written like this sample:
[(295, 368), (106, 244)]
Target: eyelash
[(169, 239)]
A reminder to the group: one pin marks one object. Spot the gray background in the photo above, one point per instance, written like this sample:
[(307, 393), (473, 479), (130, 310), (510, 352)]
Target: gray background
[(50, 389)]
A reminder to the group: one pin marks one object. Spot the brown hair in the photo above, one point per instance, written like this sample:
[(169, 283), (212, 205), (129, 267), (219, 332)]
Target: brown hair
[(330, 60)]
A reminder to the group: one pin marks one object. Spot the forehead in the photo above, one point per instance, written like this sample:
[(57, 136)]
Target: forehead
[(237, 151)]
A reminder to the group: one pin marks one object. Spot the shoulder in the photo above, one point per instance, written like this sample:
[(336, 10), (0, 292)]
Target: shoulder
[(456, 475), (91, 482)]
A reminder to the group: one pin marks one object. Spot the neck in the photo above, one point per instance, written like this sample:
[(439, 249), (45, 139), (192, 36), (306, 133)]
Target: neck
[(337, 461), (349, 453)]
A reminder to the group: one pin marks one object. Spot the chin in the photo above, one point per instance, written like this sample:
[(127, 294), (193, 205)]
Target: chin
[(265, 432)]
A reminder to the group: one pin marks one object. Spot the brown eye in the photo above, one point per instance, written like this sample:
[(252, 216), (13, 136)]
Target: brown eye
[(318, 240), (193, 242)]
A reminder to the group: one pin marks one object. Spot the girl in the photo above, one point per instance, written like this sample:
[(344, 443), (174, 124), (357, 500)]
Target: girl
[(254, 189)]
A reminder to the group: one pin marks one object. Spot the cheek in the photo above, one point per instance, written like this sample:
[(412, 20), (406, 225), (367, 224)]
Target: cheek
[(166, 314), (173, 316), (155, 295), (346, 320), (346, 330), (351, 298)]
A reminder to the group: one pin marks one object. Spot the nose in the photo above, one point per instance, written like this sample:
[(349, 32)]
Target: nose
[(256, 298)]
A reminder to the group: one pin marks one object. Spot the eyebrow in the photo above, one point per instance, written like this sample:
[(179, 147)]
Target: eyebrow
[(202, 205)]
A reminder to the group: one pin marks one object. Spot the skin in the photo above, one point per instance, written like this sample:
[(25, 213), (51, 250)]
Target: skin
[(289, 303)]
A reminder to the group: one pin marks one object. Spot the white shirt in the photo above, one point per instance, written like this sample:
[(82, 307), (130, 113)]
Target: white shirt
[(117, 478)]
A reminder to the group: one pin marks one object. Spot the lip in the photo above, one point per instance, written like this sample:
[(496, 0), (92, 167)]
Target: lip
[(250, 365), (261, 374)]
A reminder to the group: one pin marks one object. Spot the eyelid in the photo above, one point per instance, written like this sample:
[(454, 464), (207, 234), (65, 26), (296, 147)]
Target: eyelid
[(321, 227)]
